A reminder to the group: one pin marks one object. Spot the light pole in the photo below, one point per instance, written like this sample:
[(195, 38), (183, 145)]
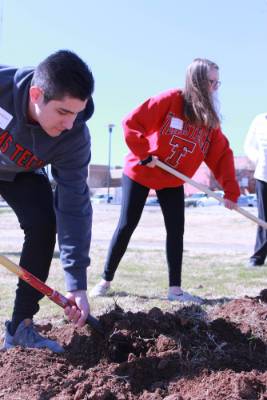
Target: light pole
[(110, 128)]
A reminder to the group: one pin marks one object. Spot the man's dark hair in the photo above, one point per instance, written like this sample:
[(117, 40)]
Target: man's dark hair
[(64, 74)]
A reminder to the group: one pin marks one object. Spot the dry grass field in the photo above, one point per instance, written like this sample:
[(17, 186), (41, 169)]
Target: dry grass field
[(217, 245), (152, 349)]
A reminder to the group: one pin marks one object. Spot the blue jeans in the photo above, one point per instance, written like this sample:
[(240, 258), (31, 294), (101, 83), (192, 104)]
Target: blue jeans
[(31, 198)]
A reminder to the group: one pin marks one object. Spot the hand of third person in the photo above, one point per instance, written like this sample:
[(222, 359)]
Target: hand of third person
[(229, 204)]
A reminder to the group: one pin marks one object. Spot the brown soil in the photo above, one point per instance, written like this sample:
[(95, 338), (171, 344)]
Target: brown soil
[(190, 354)]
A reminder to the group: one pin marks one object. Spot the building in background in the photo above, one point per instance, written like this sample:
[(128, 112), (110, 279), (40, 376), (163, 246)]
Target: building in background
[(105, 181), (244, 173)]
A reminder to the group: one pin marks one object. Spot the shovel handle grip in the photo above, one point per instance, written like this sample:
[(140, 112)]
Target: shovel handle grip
[(145, 161)]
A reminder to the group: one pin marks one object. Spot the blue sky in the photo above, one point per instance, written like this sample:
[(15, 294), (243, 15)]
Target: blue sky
[(138, 48)]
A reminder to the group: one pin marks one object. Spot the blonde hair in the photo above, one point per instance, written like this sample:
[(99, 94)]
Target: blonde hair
[(199, 107)]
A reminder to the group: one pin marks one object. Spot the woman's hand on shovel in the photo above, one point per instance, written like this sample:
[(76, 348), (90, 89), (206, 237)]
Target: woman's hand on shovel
[(80, 309), (153, 162), (229, 204)]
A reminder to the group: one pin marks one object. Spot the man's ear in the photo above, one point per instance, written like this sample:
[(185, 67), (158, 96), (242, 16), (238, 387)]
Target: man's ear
[(36, 94)]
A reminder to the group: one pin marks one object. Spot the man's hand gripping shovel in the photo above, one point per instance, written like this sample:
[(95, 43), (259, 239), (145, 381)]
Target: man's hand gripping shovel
[(53, 295)]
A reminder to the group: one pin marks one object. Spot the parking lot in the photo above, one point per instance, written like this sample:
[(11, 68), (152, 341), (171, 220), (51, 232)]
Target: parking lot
[(201, 199)]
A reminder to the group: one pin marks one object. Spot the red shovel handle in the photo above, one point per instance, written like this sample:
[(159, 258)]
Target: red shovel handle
[(52, 294)]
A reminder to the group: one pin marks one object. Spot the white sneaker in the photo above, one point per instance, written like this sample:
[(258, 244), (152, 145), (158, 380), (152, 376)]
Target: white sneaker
[(99, 290), (184, 297)]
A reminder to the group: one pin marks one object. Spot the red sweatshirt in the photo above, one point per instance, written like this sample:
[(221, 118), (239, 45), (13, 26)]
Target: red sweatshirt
[(158, 127)]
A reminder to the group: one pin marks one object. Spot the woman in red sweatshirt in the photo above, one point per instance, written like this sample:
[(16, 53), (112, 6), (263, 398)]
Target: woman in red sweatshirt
[(182, 129)]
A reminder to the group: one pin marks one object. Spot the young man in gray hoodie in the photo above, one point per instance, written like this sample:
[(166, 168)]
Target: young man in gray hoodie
[(43, 114)]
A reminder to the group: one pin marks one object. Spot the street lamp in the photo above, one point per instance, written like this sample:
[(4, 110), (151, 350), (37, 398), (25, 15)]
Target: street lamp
[(110, 128)]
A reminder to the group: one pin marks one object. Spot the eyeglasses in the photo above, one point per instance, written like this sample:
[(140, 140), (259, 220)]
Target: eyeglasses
[(216, 84)]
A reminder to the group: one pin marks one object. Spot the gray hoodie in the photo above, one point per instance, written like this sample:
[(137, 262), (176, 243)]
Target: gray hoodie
[(27, 147)]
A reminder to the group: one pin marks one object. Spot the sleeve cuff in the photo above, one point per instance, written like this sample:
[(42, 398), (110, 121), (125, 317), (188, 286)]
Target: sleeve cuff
[(75, 279)]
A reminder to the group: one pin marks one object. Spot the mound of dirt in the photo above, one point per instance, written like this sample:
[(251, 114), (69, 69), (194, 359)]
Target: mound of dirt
[(190, 354)]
